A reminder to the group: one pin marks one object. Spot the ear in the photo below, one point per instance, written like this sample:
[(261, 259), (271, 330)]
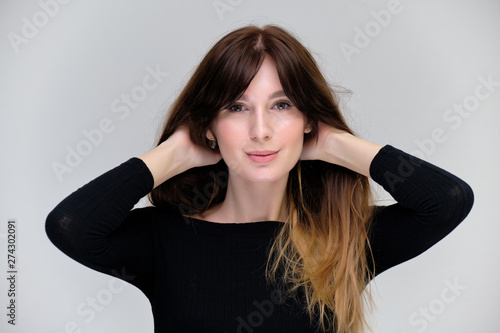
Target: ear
[(308, 128), (210, 135)]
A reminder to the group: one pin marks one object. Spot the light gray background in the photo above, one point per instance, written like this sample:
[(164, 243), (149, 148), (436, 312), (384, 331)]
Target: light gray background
[(63, 79)]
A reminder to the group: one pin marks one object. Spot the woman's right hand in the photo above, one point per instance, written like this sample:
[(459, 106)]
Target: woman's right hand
[(177, 154)]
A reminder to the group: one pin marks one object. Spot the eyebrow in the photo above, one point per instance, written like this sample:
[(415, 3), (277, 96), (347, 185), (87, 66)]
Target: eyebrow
[(279, 93)]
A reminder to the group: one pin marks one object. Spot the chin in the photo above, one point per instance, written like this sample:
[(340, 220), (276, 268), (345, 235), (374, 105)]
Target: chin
[(263, 173), (266, 179), (266, 176)]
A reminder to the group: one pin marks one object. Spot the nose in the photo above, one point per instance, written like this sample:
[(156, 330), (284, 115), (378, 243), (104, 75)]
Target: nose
[(261, 127)]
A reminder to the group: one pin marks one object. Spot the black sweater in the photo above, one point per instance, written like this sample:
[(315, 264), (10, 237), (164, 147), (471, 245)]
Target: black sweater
[(202, 276)]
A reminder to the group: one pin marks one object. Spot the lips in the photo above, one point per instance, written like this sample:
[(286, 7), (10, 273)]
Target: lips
[(262, 156)]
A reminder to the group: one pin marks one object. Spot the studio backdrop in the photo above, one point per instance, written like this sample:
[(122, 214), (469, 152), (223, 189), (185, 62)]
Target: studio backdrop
[(85, 85)]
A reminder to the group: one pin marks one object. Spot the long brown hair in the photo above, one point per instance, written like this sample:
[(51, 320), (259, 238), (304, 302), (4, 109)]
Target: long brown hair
[(322, 251)]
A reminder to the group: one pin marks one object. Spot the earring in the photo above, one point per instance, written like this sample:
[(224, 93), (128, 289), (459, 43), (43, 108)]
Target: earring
[(212, 143)]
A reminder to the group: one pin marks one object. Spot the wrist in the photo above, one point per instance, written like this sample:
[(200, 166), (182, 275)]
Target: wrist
[(349, 151), (165, 161), (335, 145)]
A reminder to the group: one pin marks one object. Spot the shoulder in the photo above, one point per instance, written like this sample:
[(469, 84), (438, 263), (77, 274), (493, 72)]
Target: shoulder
[(149, 216)]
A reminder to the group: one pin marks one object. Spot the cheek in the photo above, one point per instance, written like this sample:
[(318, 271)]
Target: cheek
[(228, 135), (225, 131), (293, 130)]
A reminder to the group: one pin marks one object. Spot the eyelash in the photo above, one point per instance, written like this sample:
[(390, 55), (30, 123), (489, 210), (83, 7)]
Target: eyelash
[(288, 105), (231, 108)]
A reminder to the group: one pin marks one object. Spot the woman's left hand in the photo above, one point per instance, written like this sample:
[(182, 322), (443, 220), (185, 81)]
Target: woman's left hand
[(339, 147), (317, 147)]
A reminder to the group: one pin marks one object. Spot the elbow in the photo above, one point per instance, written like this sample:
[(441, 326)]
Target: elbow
[(58, 227), (458, 203), (51, 224), (467, 200)]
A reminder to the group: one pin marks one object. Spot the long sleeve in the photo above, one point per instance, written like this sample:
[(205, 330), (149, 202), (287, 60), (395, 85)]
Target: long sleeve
[(208, 276), (94, 225), (431, 202)]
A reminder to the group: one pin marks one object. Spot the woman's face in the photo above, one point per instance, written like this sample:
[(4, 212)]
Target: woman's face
[(261, 135)]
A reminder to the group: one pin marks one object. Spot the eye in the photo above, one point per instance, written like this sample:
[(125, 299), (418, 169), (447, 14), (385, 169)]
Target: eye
[(237, 108), (282, 105)]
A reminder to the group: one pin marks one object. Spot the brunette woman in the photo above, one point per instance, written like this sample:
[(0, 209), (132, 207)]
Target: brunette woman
[(261, 216)]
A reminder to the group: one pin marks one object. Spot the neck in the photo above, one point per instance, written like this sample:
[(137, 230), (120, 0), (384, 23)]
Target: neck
[(252, 202)]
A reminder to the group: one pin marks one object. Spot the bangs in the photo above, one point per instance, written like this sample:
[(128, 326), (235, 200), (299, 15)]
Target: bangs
[(238, 67), (231, 64), (226, 73)]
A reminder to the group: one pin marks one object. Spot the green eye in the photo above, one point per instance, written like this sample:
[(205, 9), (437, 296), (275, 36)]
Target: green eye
[(282, 105)]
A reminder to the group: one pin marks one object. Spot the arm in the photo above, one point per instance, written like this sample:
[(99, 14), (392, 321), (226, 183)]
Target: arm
[(95, 225), (338, 147), (431, 201), (176, 155)]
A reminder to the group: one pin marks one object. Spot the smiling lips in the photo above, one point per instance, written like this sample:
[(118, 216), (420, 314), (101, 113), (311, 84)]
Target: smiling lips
[(262, 156)]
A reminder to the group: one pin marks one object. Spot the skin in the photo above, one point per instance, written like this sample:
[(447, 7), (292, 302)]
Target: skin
[(263, 119)]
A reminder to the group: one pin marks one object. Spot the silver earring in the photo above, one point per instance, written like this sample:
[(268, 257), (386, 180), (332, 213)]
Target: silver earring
[(212, 143)]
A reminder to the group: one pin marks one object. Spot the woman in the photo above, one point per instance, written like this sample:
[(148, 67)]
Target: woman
[(261, 218)]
